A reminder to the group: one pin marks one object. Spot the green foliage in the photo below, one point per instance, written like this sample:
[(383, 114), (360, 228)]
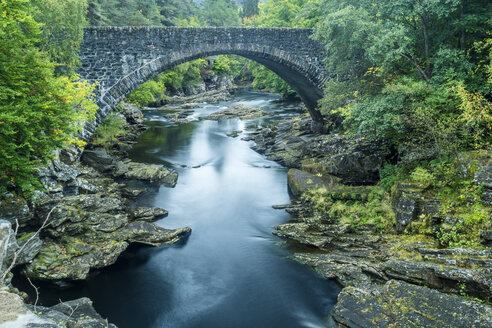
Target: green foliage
[(389, 174), (62, 28), (148, 92), (109, 129), (374, 209), (224, 64), (220, 13), (423, 177), (280, 13), (38, 111), (412, 73), (124, 13), (170, 81), (250, 8), (264, 79)]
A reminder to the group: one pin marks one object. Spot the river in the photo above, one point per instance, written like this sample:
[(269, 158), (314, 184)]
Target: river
[(231, 271)]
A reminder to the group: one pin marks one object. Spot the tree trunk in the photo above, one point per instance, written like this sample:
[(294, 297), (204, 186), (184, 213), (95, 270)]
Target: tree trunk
[(462, 32), (426, 45)]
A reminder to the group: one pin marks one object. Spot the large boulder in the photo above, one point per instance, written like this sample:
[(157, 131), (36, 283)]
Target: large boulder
[(14, 313), (405, 202), (475, 282), (15, 209), (353, 159), (72, 314), (133, 114), (99, 159), (72, 258), (89, 215), (75, 313), (399, 304), (5, 233), (300, 182), (150, 172)]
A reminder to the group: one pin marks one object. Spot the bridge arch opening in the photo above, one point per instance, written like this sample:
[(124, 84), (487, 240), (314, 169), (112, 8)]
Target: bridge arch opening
[(122, 59)]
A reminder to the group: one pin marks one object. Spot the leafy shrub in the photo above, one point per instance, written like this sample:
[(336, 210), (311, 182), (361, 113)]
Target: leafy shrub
[(107, 132)]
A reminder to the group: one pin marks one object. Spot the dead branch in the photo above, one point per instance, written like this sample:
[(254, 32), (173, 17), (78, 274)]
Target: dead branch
[(37, 293), (20, 250)]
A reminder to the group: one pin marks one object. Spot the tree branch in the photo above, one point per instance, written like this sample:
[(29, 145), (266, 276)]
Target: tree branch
[(414, 63), (20, 250)]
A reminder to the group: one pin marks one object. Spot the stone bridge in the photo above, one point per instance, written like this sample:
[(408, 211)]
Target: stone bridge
[(122, 58)]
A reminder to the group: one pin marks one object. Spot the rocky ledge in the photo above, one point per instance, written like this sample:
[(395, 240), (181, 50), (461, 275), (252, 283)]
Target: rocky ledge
[(392, 276), (76, 313), (213, 96), (241, 111)]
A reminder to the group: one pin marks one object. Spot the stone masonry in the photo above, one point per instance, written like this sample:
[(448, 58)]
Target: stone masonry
[(120, 59)]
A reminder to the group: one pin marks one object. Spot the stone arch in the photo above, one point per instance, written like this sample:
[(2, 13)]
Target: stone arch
[(132, 55)]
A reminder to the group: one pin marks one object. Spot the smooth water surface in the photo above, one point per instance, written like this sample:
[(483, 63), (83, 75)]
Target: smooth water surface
[(231, 271)]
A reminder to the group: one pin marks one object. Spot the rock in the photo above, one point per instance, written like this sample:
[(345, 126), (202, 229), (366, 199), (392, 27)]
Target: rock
[(99, 159), (399, 304), (179, 116), (150, 234), (486, 237), (300, 181), (132, 114), (73, 258), (59, 171), (12, 209), (31, 250), (5, 233), (80, 186), (14, 313), (89, 215), (149, 214), (353, 159), (79, 313), (298, 232), (71, 154), (213, 96), (448, 279), (182, 106), (234, 134), (241, 111), (149, 172), (405, 200)]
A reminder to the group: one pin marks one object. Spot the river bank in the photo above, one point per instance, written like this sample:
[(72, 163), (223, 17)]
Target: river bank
[(393, 274), (82, 221)]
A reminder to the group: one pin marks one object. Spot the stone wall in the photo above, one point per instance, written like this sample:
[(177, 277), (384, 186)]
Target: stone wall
[(120, 59)]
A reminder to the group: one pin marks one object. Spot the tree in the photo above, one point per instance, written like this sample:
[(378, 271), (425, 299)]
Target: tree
[(220, 13), (38, 111), (124, 13), (62, 27), (398, 67), (250, 8)]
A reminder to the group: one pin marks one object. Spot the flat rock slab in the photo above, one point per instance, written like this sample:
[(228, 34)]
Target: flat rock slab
[(150, 172), (399, 304), (241, 111), (150, 234)]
